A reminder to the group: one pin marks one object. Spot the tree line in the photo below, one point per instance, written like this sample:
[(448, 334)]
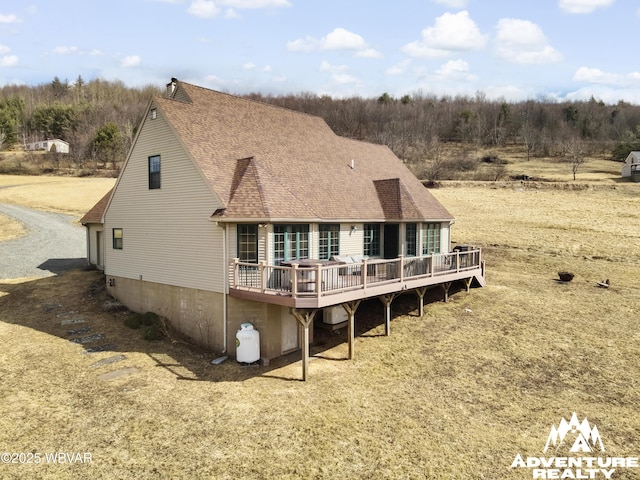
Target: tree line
[(99, 119)]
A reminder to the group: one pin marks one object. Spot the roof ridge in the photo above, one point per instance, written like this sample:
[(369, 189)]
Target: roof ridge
[(250, 100)]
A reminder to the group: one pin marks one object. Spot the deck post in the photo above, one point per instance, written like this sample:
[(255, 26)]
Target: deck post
[(304, 318), (445, 287), (236, 270), (351, 308), (467, 283), (421, 292), (386, 301)]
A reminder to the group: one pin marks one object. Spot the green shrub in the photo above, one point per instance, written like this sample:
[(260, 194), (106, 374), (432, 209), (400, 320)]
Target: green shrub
[(152, 332), (149, 319), (133, 321)]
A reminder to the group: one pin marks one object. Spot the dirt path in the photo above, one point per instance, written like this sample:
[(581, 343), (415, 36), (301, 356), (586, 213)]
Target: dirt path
[(52, 244)]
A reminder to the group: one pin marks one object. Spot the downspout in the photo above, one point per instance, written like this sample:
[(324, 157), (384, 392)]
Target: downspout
[(225, 269), (86, 226)]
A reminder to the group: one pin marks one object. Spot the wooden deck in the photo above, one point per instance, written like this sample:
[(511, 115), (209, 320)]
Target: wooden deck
[(326, 283)]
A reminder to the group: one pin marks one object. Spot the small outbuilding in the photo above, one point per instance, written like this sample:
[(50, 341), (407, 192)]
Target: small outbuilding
[(631, 168), (54, 145)]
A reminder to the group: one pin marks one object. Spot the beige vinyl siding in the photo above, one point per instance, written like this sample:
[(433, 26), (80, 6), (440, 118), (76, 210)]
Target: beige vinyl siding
[(351, 243), (445, 238), (167, 235)]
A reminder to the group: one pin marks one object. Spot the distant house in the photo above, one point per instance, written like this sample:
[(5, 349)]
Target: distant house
[(631, 167), (55, 145), (229, 211)]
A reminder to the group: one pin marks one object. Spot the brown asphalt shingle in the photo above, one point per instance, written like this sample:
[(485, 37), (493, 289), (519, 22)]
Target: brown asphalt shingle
[(265, 162), (95, 214)]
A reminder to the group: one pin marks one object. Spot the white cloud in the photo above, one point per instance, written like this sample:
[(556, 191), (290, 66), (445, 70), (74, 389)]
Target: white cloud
[(131, 61), (583, 6), (522, 41), (453, 3), (253, 66), (327, 67), (597, 76), (338, 39), (4, 49), (203, 9), (369, 53), (455, 70), (63, 50), (211, 8), (341, 39), (343, 78), (306, 44), (8, 61), (11, 18), (247, 4), (399, 68), (452, 33)]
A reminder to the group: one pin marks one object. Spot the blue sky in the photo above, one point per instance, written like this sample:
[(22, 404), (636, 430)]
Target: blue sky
[(512, 49)]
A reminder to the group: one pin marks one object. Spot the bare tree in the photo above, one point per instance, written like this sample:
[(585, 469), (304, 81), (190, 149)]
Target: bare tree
[(574, 147)]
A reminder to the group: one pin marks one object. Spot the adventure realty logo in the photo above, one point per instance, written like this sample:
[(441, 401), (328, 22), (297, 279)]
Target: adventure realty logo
[(583, 441)]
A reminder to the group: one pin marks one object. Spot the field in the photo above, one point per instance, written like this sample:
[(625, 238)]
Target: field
[(456, 394)]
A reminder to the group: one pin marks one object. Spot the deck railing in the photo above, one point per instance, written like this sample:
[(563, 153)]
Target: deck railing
[(328, 278)]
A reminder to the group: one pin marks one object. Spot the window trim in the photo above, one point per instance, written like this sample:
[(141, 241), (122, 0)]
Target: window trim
[(431, 238), (411, 243), (154, 176), (293, 234), (247, 229), (117, 241), (371, 244), (329, 233)]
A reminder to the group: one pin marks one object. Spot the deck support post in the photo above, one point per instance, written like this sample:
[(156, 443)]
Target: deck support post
[(445, 287), (351, 308), (304, 318), (386, 301), (421, 292), (467, 283)]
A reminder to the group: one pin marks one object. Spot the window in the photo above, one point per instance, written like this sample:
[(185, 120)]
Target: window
[(154, 172), (430, 238), (248, 243), (329, 242), (411, 232), (290, 242), (117, 238), (372, 239), (154, 113)]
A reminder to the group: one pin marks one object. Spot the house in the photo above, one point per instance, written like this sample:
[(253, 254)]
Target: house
[(229, 211), (55, 145), (631, 167)]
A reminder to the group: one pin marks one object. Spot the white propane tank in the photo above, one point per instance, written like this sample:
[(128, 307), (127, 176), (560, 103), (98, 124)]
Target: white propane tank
[(247, 344)]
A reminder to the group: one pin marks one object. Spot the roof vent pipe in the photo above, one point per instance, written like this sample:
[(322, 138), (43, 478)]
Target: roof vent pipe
[(353, 164)]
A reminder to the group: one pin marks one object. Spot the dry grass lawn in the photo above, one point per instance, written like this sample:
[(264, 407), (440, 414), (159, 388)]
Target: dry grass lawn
[(456, 394)]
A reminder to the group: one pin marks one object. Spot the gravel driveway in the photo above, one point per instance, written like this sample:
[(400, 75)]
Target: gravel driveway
[(52, 244)]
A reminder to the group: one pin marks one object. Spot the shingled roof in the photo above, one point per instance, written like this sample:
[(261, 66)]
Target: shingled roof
[(95, 214), (269, 163)]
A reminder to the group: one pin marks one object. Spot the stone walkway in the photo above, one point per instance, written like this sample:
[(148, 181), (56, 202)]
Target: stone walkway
[(81, 332)]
